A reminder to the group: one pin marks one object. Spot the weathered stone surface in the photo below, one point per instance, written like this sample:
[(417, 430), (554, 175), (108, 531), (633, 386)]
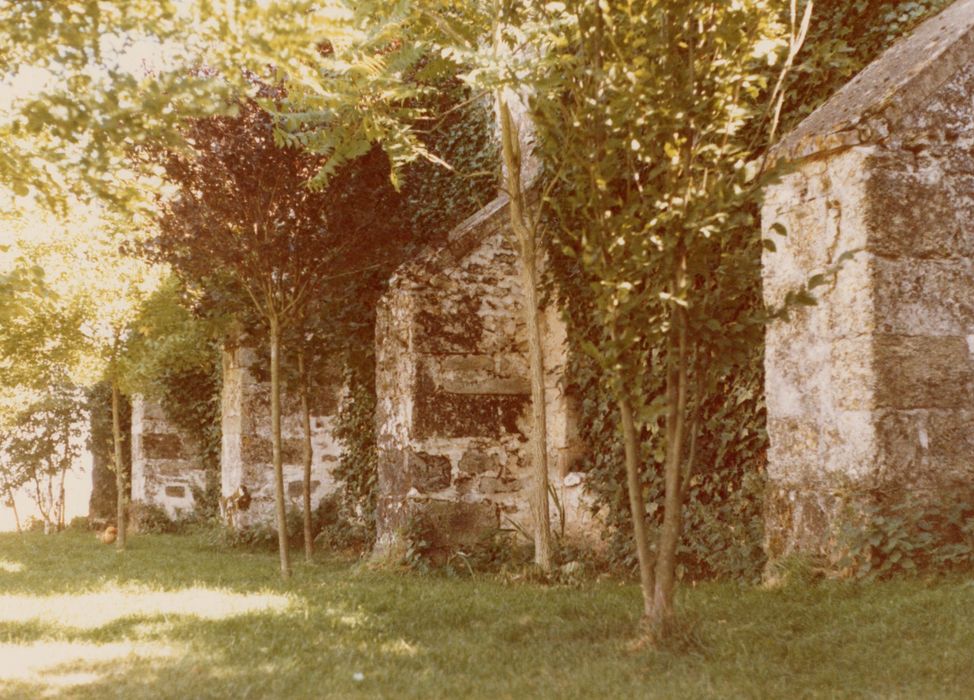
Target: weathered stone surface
[(873, 388), (491, 484), (900, 228), (922, 372), (475, 462), (897, 86), (295, 489), (164, 465), (255, 449), (930, 297), (246, 457), (452, 387), (429, 472), (460, 523)]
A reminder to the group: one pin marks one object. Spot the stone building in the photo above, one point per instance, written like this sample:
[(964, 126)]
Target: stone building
[(454, 397), (872, 390), (246, 441), (165, 464)]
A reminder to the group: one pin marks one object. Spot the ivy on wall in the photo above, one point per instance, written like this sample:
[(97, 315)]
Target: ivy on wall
[(723, 511), (431, 202)]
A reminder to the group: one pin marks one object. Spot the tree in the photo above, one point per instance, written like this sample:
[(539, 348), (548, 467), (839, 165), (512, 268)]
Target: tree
[(39, 449), (68, 307), (645, 133), (242, 209)]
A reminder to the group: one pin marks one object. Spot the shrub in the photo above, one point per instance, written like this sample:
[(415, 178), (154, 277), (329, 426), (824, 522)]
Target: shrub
[(894, 534), (79, 523), (149, 518), (339, 529)]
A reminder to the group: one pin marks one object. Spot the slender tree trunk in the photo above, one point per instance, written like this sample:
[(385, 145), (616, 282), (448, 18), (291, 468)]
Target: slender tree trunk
[(60, 502), (524, 234), (539, 441), (676, 387), (119, 468), (66, 464), (306, 425), (275, 339), (637, 506), (13, 507)]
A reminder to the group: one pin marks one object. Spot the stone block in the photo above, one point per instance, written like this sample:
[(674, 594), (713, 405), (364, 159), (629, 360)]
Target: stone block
[(797, 518), (295, 489), (255, 450), (456, 328), (899, 227), (475, 462), (922, 372), (468, 364), (260, 450), (441, 414), (926, 445), (929, 297), (497, 386), (428, 472), (490, 485), (852, 379), (793, 448)]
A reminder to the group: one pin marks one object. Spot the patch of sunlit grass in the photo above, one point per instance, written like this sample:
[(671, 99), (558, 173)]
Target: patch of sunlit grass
[(53, 665), (97, 609), (11, 567)]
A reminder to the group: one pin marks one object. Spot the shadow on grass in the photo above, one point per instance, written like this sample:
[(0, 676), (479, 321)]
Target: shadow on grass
[(175, 618)]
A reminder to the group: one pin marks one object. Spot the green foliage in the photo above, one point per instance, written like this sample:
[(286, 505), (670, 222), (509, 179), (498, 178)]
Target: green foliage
[(844, 37), (174, 357), (656, 249), (723, 507), (342, 530), (152, 519), (896, 534), (79, 523), (39, 447), (330, 525), (431, 201), (435, 199), (723, 510), (495, 551), (356, 471)]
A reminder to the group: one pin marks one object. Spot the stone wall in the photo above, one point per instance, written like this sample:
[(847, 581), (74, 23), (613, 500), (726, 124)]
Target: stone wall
[(872, 390), (246, 449), (453, 393), (165, 464)]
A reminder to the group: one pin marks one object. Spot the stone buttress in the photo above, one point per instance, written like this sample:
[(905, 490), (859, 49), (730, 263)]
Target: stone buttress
[(872, 390), (166, 466), (246, 449), (453, 411)]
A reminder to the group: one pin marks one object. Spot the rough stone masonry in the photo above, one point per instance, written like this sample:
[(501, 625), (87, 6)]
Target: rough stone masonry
[(165, 464), (872, 390), (453, 395), (246, 448)]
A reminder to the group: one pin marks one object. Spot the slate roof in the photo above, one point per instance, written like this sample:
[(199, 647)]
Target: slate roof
[(870, 105)]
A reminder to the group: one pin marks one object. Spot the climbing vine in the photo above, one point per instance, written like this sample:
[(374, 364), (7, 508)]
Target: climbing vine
[(723, 510), (432, 200)]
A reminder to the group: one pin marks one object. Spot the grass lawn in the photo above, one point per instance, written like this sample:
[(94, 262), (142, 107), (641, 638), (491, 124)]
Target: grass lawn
[(174, 618)]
